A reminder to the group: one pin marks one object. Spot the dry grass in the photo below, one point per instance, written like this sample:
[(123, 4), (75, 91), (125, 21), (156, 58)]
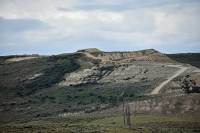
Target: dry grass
[(139, 123)]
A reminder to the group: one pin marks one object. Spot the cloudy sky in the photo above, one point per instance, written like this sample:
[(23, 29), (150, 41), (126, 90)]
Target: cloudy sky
[(60, 26)]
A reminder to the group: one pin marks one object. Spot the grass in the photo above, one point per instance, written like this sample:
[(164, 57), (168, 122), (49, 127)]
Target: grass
[(139, 123), (141, 119)]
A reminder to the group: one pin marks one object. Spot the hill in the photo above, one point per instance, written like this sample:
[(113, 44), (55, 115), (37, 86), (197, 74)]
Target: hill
[(187, 58), (90, 81)]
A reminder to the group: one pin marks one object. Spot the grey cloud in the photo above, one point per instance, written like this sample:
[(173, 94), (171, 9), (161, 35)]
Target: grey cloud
[(128, 5), (63, 9), (20, 31), (18, 25), (103, 7)]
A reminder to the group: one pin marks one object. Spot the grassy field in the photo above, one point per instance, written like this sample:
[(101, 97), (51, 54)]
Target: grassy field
[(139, 123), (141, 119)]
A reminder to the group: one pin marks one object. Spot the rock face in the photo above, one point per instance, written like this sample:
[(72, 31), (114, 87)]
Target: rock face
[(119, 74), (177, 104), (171, 105), (122, 67), (20, 59), (89, 50), (117, 58), (128, 57)]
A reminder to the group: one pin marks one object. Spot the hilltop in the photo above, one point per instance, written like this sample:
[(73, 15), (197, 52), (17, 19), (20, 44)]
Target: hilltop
[(150, 55)]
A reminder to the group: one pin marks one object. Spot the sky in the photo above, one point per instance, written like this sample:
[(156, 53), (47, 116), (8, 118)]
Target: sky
[(50, 27)]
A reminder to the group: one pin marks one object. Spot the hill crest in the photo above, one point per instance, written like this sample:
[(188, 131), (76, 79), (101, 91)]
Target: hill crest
[(118, 57)]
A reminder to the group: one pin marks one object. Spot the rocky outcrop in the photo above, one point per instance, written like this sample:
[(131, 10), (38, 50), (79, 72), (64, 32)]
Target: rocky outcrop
[(119, 74), (89, 50), (171, 105), (129, 57), (20, 59)]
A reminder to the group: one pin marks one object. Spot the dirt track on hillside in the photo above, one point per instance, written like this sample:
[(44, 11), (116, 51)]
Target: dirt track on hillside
[(102, 59), (158, 88)]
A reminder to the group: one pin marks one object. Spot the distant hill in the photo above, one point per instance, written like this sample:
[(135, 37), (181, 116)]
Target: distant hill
[(187, 58)]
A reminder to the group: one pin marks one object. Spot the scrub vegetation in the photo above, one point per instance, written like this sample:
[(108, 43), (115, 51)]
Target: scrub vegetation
[(101, 124)]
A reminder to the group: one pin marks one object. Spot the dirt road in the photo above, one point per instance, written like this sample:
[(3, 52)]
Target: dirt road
[(157, 89)]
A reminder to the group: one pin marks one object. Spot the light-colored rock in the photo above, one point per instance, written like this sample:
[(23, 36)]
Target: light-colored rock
[(20, 59)]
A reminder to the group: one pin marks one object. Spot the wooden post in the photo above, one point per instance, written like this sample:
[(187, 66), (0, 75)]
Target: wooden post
[(128, 114), (122, 95), (124, 113)]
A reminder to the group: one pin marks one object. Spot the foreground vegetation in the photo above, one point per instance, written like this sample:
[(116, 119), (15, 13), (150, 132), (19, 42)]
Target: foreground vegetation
[(58, 100), (96, 124)]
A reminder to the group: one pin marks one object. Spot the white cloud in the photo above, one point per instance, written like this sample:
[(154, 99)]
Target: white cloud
[(83, 23)]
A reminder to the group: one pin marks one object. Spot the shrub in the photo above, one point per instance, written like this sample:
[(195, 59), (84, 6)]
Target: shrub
[(108, 68), (12, 104)]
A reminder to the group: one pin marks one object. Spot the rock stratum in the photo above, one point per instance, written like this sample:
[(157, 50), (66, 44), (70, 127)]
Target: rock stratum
[(171, 105)]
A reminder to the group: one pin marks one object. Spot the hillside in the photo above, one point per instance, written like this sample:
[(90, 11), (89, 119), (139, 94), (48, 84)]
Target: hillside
[(90, 81)]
